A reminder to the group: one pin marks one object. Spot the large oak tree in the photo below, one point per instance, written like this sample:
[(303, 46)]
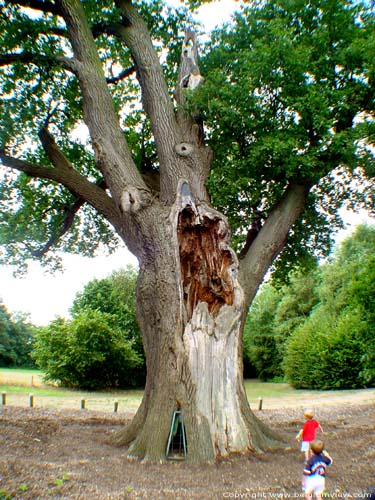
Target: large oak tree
[(288, 102)]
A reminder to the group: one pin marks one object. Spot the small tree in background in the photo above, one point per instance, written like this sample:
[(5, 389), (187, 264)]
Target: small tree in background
[(115, 295), (88, 352), (16, 339)]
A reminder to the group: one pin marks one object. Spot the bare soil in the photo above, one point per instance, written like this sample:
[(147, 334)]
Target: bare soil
[(66, 454)]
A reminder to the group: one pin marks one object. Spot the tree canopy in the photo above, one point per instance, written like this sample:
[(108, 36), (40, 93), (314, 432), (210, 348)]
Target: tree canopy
[(42, 112), (288, 97)]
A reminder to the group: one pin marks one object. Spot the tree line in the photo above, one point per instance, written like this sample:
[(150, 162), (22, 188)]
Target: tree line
[(318, 330)]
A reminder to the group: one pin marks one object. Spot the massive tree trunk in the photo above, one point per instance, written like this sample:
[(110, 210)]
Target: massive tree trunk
[(190, 308)]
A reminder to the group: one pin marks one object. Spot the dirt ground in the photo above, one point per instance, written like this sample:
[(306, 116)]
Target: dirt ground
[(65, 454)]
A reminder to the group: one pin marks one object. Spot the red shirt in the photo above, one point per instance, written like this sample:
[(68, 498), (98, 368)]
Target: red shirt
[(309, 430)]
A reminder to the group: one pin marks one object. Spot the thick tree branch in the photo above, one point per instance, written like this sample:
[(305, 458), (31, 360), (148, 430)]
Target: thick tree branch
[(42, 5), (156, 99), (66, 175), (112, 154), (135, 34), (38, 60), (271, 239)]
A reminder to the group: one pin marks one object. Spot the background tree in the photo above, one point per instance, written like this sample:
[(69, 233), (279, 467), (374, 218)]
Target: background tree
[(114, 295), (273, 316), (88, 352), (259, 342), (317, 330), (292, 113), (16, 339), (334, 347)]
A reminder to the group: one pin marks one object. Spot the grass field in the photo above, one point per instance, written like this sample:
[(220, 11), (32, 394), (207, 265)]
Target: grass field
[(19, 384)]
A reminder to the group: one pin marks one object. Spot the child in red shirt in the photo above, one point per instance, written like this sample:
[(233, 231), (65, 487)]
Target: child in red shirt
[(308, 433)]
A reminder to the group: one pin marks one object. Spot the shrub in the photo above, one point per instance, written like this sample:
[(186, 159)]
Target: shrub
[(326, 352), (87, 353)]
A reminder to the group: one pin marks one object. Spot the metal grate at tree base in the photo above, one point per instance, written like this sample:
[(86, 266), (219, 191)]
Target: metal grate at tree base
[(177, 446)]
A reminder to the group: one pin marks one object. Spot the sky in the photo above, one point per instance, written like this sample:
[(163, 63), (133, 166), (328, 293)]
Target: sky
[(45, 296)]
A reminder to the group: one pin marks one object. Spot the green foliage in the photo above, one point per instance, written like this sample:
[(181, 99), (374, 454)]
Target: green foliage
[(16, 339), (272, 317), (362, 294), (88, 352), (318, 331), (260, 350), (334, 347), (115, 295), (326, 352), (101, 347), (285, 86)]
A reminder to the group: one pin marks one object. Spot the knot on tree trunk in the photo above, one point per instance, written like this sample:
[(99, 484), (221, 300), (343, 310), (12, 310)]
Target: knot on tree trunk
[(130, 200), (184, 149)]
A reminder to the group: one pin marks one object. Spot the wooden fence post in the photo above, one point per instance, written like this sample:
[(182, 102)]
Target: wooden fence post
[(31, 400), (260, 403), (4, 398), (83, 404), (115, 406)]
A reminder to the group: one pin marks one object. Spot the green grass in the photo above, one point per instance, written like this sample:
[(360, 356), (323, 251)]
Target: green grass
[(27, 371), (256, 388), (55, 392), (17, 386)]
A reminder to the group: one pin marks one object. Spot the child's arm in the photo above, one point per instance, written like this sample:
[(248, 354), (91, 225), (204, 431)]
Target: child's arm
[(299, 435), (321, 429), (326, 454)]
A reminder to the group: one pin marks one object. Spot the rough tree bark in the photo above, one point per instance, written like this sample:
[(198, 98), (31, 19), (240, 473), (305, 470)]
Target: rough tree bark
[(192, 320), (192, 291)]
